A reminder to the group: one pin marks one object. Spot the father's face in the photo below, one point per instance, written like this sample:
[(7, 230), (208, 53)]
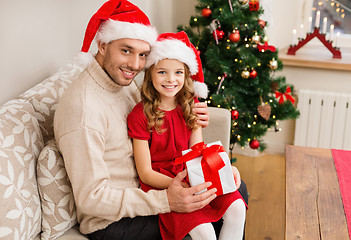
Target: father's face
[(124, 58)]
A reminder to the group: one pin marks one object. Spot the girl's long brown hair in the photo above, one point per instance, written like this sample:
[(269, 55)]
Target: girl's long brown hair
[(151, 100)]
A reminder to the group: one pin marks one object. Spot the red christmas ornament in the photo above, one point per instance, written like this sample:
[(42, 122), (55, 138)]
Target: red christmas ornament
[(254, 144), (253, 73), (235, 114), (219, 33), (261, 23), (254, 5), (206, 12), (235, 36)]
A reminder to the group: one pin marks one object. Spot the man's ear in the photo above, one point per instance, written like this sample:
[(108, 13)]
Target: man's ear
[(101, 47)]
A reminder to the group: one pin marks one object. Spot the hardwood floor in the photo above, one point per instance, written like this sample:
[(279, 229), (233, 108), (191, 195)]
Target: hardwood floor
[(265, 179)]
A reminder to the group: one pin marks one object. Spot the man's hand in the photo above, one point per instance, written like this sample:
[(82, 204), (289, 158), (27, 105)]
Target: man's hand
[(184, 199), (237, 178), (202, 113)]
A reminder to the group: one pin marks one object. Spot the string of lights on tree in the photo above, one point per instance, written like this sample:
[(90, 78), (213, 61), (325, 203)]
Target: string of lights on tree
[(239, 67)]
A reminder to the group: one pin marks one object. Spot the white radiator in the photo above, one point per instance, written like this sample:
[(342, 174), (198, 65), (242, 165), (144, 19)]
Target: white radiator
[(325, 120)]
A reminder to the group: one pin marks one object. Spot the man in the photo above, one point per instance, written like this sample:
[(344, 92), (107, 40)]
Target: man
[(91, 133)]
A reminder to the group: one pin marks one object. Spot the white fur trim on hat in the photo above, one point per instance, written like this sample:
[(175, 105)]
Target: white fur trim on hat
[(112, 30), (172, 49), (200, 89)]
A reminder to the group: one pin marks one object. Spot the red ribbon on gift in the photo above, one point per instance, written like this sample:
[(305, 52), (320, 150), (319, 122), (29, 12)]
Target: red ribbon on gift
[(282, 97), (211, 162), (265, 47)]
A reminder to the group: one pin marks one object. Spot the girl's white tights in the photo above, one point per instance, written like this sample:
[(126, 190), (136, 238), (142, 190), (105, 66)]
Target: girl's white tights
[(203, 231), (233, 225), (233, 221)]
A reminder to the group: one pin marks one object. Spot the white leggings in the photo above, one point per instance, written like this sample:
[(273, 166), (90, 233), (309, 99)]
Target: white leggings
[(233, 225)]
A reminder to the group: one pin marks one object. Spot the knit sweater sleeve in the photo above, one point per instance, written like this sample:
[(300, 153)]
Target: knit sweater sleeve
[(94, 193)]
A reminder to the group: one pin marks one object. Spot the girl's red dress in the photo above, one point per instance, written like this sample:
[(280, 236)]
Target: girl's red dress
[(164, 148)]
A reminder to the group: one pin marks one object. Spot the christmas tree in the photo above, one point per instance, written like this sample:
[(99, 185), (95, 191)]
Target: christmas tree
[(239, 67)]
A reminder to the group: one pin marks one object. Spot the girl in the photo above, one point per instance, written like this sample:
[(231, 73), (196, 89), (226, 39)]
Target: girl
[(162, 125)]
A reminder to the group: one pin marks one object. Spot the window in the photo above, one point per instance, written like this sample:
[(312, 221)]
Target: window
[(334, 19), (336, 14)]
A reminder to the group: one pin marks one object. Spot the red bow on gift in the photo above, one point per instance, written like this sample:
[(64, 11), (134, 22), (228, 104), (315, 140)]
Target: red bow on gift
[(211, 162), (282, 97), (265, 47)]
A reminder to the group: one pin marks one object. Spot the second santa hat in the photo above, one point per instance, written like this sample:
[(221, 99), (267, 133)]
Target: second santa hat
[(178, 46)]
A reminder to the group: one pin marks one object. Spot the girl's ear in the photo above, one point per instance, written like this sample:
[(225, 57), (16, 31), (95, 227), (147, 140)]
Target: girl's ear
[(102, 47)]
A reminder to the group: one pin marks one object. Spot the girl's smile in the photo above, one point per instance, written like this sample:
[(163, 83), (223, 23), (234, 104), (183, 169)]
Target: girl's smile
[(168, 79)]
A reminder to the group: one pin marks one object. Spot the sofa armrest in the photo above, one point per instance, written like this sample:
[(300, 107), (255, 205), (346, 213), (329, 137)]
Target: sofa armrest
[(219, 127)]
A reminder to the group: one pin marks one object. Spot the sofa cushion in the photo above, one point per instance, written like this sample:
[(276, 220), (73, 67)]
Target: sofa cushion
[(72, 234), (45, 96), (20, 144), (58, 209)]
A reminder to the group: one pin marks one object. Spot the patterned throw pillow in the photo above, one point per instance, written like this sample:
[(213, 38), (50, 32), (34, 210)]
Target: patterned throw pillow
[(45, 96), (20, 144), (57, 203)]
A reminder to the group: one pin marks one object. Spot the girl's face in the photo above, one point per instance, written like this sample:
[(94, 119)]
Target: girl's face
[(168, 79)]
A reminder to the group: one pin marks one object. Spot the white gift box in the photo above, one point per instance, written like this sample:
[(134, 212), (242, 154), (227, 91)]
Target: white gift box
[(196, 175)]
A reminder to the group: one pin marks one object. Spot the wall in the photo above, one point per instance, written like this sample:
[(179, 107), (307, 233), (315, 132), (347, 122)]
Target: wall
[(37, 38), (40, 36)]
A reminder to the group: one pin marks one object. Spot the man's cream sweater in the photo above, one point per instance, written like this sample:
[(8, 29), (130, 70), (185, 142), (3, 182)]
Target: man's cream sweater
[(91, 133)]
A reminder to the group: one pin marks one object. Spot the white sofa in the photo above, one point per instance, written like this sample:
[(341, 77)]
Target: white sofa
[(35, 194)]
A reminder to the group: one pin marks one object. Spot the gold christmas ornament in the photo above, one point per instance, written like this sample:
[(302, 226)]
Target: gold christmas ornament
[(256, 38), (273, 64), (245, 74)]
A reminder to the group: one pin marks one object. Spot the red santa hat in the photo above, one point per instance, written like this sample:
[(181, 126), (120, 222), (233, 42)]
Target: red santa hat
[(178, 46), (117, 19)]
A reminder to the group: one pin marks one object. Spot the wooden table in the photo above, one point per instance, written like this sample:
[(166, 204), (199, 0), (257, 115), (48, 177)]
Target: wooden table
[(314, 208)]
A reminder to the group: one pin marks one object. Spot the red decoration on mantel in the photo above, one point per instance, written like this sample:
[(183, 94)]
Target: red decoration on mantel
[(206, 12), (335, 51)]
